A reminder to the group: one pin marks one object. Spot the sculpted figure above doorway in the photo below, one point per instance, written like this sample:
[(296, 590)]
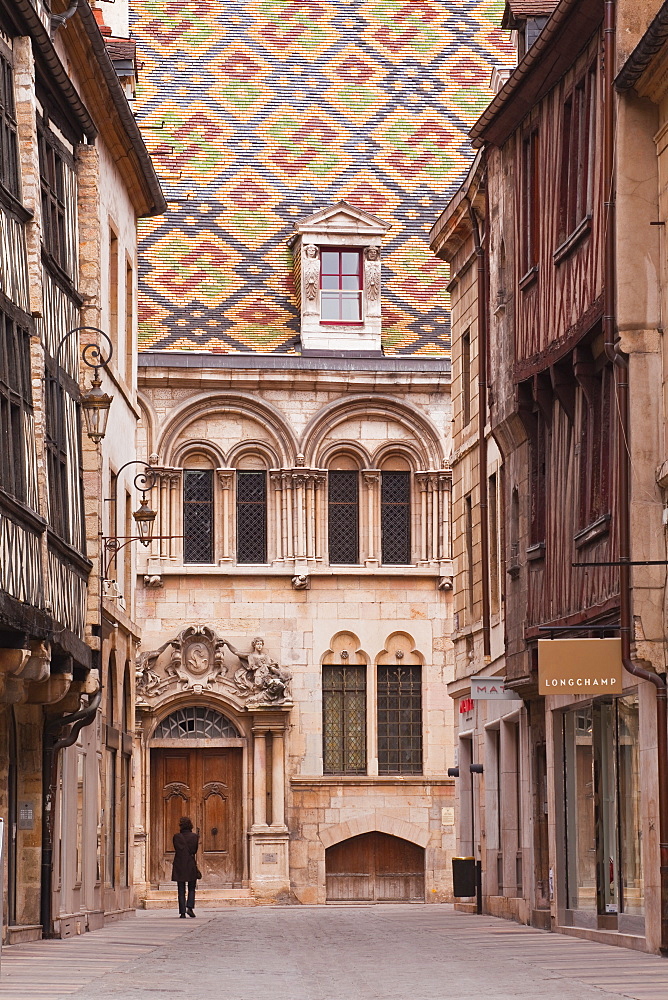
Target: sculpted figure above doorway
[(199, 660)]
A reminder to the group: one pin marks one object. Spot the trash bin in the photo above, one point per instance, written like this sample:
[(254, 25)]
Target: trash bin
[(463, 877)]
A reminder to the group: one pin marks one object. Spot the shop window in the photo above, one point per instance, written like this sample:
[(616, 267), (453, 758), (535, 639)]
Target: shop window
[(602, 798), (399, 694), (341, 286), (343, 517), (251, 517), (198, 516), (395, 518), (9, 161), (344, 719)]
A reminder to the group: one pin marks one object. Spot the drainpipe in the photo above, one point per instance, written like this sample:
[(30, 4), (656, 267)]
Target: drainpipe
[(483, 291), (50, 750), (621, 369)]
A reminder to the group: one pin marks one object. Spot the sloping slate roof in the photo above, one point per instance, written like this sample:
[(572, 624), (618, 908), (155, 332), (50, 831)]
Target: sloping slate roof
[(260, 113)]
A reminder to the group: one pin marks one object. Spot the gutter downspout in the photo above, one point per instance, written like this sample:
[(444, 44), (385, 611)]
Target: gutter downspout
[(482, 287), (621, 369), (50, 750)]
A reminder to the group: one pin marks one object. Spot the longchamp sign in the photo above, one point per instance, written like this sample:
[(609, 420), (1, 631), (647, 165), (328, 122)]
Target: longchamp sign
[(580, 666)]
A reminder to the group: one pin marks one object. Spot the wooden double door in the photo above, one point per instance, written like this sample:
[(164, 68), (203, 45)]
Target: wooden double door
[(373, 868), (205, 784)]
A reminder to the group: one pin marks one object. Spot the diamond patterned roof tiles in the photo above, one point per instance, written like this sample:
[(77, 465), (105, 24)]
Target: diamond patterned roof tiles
[(260, 113)]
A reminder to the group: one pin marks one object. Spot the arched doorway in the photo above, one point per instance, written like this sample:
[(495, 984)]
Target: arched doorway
[(374, 868), (196, 771)]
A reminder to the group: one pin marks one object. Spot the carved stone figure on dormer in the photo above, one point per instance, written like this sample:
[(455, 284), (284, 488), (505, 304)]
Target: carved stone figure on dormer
[(311, 265), (260, 677), (372, 273)]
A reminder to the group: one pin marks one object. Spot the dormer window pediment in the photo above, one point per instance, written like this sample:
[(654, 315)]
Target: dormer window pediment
[(337, 260)]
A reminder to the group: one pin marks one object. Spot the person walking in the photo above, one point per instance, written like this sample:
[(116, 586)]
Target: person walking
[(184, 869)]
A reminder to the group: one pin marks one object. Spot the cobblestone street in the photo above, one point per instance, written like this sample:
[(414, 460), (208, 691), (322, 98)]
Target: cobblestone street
[(327, 953)]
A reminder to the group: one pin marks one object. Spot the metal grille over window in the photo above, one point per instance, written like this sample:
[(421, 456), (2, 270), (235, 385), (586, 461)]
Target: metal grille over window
[(251, 517), (395, 518), (399, 719), (343, 518), (9, 171), (198, 516), (344, 719), (196, 723)]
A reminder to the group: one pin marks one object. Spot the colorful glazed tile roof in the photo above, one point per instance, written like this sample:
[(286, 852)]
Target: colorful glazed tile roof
[(259, 113)]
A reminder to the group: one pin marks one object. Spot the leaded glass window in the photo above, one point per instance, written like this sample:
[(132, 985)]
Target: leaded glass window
[(198, 516), (251, 517), (344, 719), (196, 722), (399, 719), (9, 164), (395, 518), (343, 517)]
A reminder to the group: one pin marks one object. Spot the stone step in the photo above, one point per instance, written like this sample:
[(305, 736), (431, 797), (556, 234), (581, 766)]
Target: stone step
[(162, 899)]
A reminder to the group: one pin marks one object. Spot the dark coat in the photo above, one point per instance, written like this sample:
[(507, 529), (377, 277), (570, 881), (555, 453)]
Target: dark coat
[(184, 868)]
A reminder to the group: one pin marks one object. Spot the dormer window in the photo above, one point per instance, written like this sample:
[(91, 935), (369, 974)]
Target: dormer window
[(337, 267), (341, 281)]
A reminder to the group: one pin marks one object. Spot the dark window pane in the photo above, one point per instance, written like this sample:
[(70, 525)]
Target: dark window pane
[(343, 505), (251, 517), (344, 719), (395, 518), (399, 719), (198, 516)]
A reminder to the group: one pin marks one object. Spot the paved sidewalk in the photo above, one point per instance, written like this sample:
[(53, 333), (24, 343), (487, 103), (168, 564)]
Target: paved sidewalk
[(328, 953)]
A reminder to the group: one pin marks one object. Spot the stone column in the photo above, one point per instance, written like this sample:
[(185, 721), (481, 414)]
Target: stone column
[(371, 479), (422, 485), (277, 780), (259, 778), (298, 483), (174, 481), (278, 515), (226, 479)]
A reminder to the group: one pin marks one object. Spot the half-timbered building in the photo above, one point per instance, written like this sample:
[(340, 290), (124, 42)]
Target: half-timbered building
[(571, 804), (71, 158)]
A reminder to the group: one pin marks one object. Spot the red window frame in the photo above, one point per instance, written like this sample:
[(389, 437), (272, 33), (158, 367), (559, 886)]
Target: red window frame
[(340, 290)]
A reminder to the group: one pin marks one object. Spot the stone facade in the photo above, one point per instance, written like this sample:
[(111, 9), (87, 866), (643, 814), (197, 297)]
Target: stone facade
[(309, 613)]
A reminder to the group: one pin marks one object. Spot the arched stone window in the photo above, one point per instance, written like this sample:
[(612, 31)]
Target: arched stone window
[(198, 509), (251, 509), (395, 511), (196, 722), (343, 511)]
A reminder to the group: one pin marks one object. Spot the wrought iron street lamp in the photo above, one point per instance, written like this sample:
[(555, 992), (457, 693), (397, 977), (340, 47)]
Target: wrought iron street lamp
[(144, 516), (95, 403)]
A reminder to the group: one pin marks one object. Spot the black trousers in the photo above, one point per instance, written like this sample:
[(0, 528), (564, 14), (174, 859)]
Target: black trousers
[(190, 903)]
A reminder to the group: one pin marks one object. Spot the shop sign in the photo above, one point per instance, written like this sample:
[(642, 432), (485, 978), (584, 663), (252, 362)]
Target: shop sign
[(491, 689), (580, 666)]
